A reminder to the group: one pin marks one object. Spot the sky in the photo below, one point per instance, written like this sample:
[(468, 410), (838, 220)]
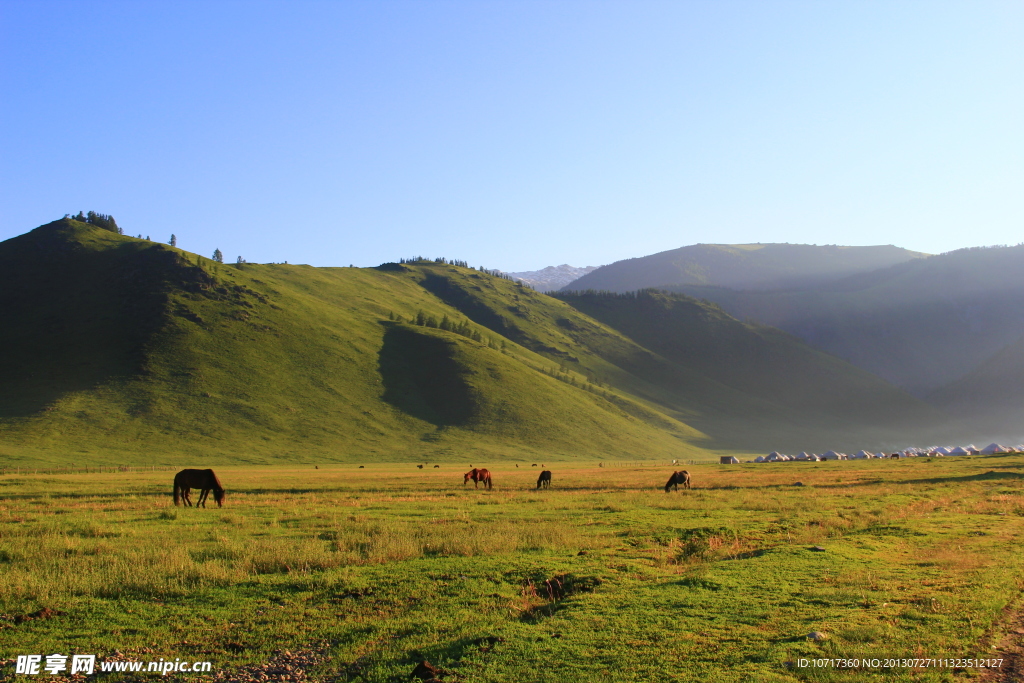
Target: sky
[(517, 134)]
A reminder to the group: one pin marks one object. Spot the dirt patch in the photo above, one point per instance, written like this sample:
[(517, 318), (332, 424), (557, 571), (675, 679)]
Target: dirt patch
[(1008, 640)]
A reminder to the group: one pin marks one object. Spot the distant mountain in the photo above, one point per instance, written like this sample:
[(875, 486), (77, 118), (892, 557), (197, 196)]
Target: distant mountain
[(742, 266), (122, 350), (921, 325), (553, 277), (991, 395)]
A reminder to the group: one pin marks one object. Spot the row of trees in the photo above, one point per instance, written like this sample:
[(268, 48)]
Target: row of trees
[(445, 323), (100, 220), (439, 259)]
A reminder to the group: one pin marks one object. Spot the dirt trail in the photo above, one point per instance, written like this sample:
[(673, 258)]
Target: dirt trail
[(1009, 646)]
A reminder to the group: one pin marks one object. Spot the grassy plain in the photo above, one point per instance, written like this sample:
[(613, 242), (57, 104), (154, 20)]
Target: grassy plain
[(604, 577)]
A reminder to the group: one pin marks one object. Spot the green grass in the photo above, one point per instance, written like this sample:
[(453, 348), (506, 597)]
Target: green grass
[(603, 577)]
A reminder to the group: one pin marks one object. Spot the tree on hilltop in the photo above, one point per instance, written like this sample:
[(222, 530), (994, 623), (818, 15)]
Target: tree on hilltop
[(100, 220), (217, 256)]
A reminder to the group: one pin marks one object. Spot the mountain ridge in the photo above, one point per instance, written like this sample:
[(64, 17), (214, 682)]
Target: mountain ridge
[(742, 266)]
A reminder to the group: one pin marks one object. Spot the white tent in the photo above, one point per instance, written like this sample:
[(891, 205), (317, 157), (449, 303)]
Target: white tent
[(994, 448), (759, 458), (880, 455), (959, 450), (940, 451), (862, 455), (832, 455)]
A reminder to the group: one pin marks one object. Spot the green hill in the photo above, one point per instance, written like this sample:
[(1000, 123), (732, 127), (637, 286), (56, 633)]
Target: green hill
[(121, 350), (742, 266), (124, 350)]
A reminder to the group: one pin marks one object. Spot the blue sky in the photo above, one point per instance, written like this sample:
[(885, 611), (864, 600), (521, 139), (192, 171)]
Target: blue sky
[(515, 134)]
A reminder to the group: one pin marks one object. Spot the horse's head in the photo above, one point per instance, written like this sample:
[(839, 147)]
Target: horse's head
[(218, 495)]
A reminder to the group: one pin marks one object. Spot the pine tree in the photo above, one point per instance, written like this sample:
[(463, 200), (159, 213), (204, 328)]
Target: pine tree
[(173, 241), (217, 256)]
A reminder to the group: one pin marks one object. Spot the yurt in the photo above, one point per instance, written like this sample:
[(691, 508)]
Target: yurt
[(862, 455), (729, 460), (832, 455), (959, 450), (994, 448), (759, 458)]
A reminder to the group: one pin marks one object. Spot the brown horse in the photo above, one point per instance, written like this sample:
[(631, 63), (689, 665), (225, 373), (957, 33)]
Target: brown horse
[(205, 480), (677, 478), (478, 477), (544, 480)]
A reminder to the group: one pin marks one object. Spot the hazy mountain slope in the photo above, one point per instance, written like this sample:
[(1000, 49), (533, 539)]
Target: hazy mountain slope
[(553, 277), (991, 396), (919, 325), (740, 392), (742, 266), (754, 359), (151, 353)]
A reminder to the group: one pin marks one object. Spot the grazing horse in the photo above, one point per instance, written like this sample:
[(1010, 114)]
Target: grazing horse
[(677, 478), (544, 480), (205, 480), (478, 477)]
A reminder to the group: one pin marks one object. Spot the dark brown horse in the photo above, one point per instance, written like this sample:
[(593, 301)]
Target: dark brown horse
[(677, 478), (205, 480), (478, 477), (544, 480)]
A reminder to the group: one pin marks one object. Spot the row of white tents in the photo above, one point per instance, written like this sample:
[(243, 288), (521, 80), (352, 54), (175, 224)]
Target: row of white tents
[(933, 451)]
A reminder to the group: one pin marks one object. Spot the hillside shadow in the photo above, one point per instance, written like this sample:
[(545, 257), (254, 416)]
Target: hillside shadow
[(422, 378)]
